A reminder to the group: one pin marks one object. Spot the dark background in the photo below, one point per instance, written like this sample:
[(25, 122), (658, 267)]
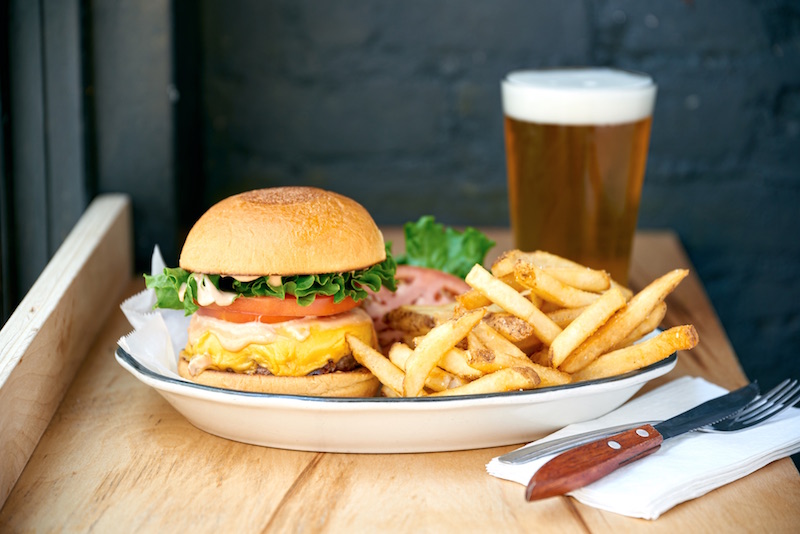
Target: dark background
[(397, 104)]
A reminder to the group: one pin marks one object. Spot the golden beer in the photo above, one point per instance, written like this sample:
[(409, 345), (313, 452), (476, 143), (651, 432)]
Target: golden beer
[(576, 147)]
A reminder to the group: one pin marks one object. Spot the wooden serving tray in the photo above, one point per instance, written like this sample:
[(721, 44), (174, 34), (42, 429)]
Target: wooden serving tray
[(117, 456), (46, 338)]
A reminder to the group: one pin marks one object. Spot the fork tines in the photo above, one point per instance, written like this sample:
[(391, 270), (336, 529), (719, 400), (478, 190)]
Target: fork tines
[(781, 397)]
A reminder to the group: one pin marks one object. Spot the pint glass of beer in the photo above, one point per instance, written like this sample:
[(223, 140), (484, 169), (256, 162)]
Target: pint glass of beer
[(576, 147)]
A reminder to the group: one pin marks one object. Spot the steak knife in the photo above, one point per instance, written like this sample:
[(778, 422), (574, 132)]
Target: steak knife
[(585, 464)]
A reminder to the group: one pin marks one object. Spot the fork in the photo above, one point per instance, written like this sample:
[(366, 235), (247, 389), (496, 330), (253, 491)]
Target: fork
[(780, 398)]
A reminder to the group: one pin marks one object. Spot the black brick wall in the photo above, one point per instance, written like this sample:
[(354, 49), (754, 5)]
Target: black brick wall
[(397, 104)]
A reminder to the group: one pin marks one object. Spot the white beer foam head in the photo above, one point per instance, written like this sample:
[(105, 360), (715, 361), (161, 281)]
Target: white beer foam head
[(578, 96)]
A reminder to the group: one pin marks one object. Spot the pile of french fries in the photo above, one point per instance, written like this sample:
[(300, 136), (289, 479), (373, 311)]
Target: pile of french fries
[(535, 320)]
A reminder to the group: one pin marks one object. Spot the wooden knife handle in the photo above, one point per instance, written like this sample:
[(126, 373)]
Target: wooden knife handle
[(583, 465)]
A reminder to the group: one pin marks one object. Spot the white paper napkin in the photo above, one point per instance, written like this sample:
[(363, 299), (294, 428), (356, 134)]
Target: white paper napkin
[(686, 467)]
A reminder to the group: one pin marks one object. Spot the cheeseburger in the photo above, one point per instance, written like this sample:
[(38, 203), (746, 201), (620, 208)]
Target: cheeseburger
[(273, 279)]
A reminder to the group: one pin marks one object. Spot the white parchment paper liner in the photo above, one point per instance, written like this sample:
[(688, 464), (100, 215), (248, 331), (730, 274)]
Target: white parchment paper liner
[(158, 335)]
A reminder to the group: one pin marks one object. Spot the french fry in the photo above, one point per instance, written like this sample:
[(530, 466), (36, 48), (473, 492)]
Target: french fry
[(551, 289), (485, 360), (478, 350), (386, 391), (543, 259), (548, 260), (537, 320), (399, 353), (503, 269), (388, 373), (564, 316), (504, 296), (472, 299), (494, 341), (433, 346), (438, 379), (550, 376), (645, 327), (550, 307), (640, 355), (536, 300), (504, 264), (511, 379), (455, 362), (511, 281), (625, 291), (595, 315), (623, 322), (514, 329), (552, 262), (496, 355), (541, 357), (581, 277), (569, 272)]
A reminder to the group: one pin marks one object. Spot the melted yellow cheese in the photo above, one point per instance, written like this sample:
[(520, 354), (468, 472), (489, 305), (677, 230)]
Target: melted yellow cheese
[(286, 353)]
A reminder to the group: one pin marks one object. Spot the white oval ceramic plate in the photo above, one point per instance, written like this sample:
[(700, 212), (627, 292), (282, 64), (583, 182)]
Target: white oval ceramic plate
[(384, 425)]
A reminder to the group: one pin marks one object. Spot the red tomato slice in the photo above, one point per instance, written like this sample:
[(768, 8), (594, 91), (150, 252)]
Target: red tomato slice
[(274, 310), (417, 286)]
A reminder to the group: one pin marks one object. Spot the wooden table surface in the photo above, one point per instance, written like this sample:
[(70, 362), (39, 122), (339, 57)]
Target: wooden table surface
[(117, 458)]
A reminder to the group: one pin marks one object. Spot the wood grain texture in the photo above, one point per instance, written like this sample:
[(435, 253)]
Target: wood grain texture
[(580, 466), (46, 338), (117, 454)]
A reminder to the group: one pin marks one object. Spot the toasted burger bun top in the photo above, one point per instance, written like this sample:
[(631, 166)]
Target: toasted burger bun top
[(283, 231)]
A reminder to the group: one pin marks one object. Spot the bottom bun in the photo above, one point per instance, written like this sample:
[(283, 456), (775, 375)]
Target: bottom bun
[(357, 383)]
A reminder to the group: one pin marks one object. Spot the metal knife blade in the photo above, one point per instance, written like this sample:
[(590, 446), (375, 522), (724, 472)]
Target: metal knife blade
[(583, 465), (710, 412), (535, 451)]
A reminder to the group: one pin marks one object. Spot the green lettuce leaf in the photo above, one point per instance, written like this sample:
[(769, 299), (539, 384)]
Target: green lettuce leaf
[(429, 244), (304, 288), (168, 284)]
